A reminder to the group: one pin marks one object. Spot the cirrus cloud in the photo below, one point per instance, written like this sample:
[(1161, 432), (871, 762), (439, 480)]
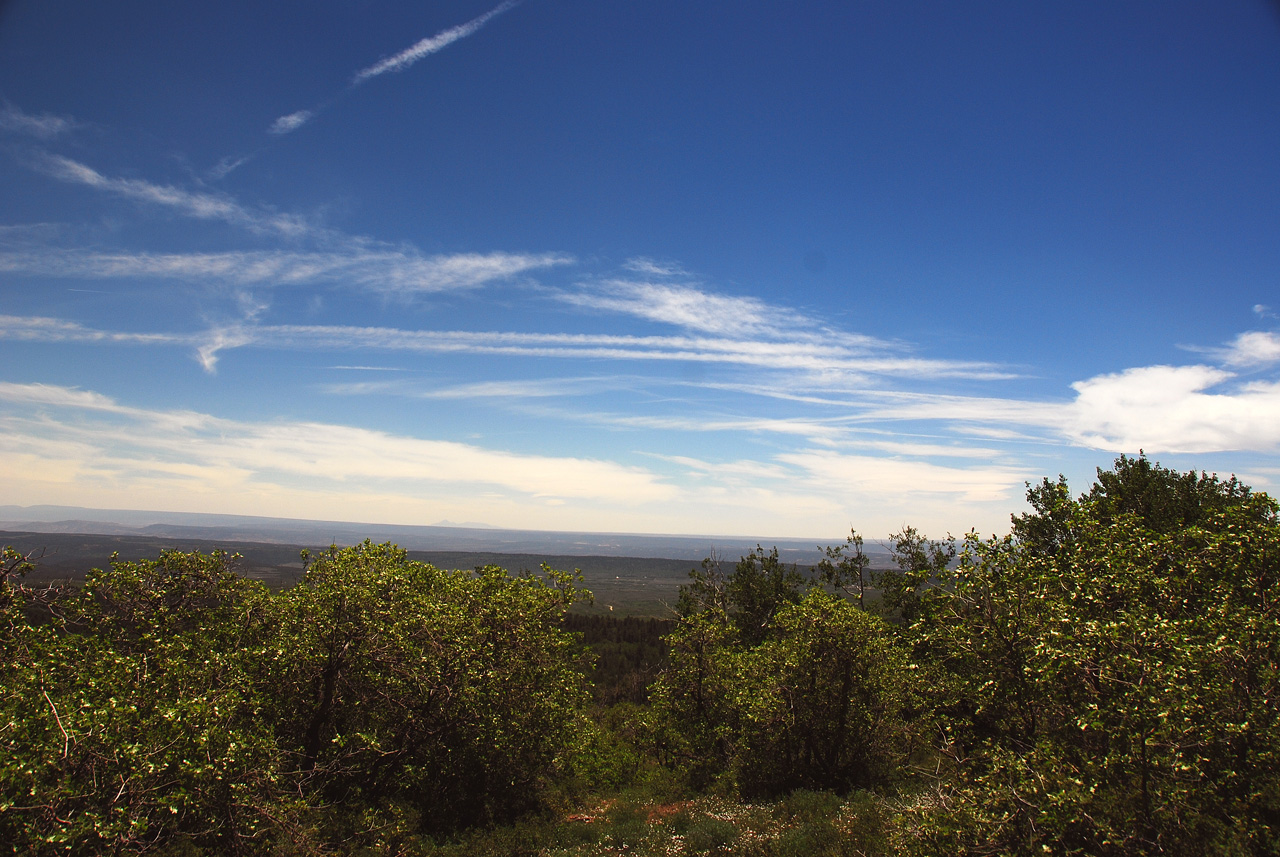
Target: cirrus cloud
[(395, 270)]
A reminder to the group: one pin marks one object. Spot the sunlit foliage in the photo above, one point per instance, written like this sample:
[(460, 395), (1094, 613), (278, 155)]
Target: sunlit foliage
[(175, 701)]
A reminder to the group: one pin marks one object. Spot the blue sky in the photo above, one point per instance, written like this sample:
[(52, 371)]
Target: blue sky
[(761, 268)]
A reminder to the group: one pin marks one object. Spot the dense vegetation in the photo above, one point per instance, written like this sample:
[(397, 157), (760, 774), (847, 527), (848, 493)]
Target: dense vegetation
[(1101, 681), (177, 701)]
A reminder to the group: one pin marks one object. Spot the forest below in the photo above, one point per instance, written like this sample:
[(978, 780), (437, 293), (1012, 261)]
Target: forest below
[(1101, 681)]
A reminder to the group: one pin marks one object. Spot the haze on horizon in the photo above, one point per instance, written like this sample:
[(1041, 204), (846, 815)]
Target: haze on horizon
[(764, 268)]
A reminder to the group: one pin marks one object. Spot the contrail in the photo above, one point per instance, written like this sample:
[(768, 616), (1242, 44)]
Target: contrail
[(432, 44), (293, 121)]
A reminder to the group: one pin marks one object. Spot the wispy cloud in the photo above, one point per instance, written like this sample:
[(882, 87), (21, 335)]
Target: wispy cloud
[(1160, 409), (919, 449), (879, 476), (403, 271), (896, 405), (218, 340), (751, 323), (53, 438), (1157, 408), (744, 469), (131, 444), (653, 268), (43, 126), (694, 309), (814, 429), (206, 344), (398, 62), (1252, 348), (347, 259), (430, 45), (544, 388), (227, 165), (781, 356), (202, 206), (768, 355), (371, 368), (43, 329), (58, 396), (292, 121)]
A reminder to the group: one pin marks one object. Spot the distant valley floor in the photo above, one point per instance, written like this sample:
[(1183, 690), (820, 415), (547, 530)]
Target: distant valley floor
[(622, 586)]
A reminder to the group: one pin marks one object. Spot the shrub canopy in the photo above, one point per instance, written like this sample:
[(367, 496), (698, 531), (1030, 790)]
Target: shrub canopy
[(173, 700)]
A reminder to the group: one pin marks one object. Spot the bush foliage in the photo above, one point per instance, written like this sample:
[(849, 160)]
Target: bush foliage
[(1102, 681), (1112, 667), (176, 701)]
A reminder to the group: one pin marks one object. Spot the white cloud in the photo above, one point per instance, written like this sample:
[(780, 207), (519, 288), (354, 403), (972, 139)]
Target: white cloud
[(813, 429), (399, 62), (979, 410), (1169, 409), (770, 355), (371, 368), (49, 394), (227, 165), (402, 271), (43, 329), (430, 45), (135, 444), (1253, 348), (367, 388), (542, 388), (923, 450), (202, 206), (291, 122), (654, 268), (217, 340), (749, 331), (906, 478), (729, 471), (438, 275), (60, 443), (694, 309), (44, 126), (1156, 408)]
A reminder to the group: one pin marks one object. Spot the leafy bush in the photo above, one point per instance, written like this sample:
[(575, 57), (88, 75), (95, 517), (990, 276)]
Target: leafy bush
[(456, 691), (708, 834), (174, 701), (807, 805), (132, 716), (812, 839), (820, 702), (1116, 674)]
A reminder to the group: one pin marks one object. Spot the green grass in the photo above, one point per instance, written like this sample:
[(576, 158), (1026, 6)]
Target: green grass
[(804, 824)]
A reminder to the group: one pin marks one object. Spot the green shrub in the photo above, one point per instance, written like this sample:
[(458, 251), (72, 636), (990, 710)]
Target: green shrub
[(1115, 664), (823, 701), (174, 703), (811, 839), (806, 805), (709, 834)]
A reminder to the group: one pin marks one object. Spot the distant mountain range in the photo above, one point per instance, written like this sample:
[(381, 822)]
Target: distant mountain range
[(445, 536)]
